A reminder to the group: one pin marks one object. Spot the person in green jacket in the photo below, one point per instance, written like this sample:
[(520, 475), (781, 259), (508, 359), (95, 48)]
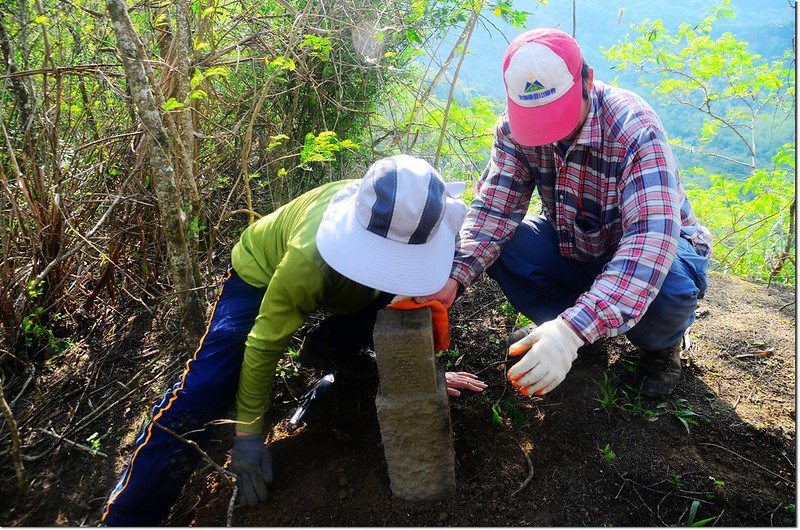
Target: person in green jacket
[(347, 248)]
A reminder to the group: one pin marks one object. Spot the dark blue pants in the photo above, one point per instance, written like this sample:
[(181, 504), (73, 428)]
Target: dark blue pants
[(205, 391), (541, 283)]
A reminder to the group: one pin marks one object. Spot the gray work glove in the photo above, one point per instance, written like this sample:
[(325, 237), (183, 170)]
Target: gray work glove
[(252, 463)]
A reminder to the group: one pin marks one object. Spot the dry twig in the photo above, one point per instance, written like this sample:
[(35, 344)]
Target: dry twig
[(22, 479), (229, 477), (76, 445), (231, 504), (530, 470)]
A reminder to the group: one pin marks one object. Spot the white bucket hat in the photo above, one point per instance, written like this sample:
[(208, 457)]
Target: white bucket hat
[(395, 229)]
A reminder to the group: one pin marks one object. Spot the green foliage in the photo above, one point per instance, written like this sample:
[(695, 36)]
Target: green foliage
[(632, 402), (504, 9), (693, 68), (608, 454), (752, 220), (37, 331), (172, 104), (505, 411), (287, 366), (739, 101), (681, 409), (94, 443), (517, 319), (281, 64), (323, 147), (414, 116), (320, 47), (411, 129), (693, 514), (718, 489), (507, 309), (449, 357), (608, 392), (634, 405), (675, 481), (195, 226)]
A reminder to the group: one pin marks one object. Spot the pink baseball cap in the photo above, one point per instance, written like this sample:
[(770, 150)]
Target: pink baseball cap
[(542, 74)]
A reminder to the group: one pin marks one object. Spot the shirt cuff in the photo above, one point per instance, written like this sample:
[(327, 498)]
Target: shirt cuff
[(249, 423), (584, 322), (462, 274)]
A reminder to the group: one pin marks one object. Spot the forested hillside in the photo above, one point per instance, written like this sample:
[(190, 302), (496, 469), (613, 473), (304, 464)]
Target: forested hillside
[(139, 138), (767, 27)]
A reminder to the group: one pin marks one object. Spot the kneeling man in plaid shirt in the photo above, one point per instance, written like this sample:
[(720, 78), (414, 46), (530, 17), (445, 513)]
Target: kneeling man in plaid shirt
[(617, 249)]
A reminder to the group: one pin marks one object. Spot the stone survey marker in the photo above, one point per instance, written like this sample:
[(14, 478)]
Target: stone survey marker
[(412, 406)]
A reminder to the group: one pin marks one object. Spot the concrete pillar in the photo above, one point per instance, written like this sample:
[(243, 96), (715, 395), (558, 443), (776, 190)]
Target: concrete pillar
[(413, 411)]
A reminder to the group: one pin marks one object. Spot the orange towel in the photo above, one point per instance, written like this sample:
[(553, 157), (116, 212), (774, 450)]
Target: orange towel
[(441, 327)]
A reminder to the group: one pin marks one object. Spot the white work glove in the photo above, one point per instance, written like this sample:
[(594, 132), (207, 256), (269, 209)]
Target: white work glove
[(551, 349)]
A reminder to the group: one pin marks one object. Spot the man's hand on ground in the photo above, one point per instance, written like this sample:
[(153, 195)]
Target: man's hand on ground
[(252, 463), (446, 295), (550, 348), (464, 381)]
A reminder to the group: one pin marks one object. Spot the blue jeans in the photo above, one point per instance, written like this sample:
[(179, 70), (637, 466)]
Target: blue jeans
[(541, 283)]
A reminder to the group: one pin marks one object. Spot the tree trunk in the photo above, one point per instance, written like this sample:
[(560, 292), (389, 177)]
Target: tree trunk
[(185, 142), (159, 146)]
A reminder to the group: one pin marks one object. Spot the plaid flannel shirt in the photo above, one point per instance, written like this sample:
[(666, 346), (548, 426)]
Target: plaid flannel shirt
[(614, 197)]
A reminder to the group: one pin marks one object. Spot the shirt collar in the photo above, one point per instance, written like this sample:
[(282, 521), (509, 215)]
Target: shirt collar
[(590, 134)]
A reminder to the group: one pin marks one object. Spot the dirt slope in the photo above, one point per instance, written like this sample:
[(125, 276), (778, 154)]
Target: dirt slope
[(736, 456)]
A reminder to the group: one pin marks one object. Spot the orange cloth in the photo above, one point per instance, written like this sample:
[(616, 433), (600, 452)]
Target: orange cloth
[(441, 326)]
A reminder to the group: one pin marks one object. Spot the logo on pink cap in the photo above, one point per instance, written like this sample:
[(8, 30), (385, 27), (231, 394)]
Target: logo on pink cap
[(533, 87)]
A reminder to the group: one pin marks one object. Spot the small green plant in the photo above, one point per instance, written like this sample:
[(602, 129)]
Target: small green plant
[(507, 309), (634, 404), (693, 513), (449, 357), (608, 392), (718, 492), (94, 442), (628, 365), (34, 330), (675, 481), (505, 410), (195, 227), (608, 454), (791, 509), (681, 410), (518, 319), (287, 366)]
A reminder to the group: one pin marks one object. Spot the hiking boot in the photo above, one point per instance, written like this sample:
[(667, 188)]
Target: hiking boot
[(659, 371)]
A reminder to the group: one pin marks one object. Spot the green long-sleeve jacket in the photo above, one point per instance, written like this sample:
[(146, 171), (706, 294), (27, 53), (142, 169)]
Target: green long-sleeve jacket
[(279, 252)]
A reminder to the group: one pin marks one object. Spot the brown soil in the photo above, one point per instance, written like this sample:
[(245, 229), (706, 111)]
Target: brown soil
[(738, 461)]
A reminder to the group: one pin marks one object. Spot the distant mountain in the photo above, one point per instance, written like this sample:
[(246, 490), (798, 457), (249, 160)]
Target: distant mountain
[(767, 24)]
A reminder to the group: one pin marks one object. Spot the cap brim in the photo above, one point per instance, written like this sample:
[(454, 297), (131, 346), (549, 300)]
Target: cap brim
[(535, 126), (381, 263)]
